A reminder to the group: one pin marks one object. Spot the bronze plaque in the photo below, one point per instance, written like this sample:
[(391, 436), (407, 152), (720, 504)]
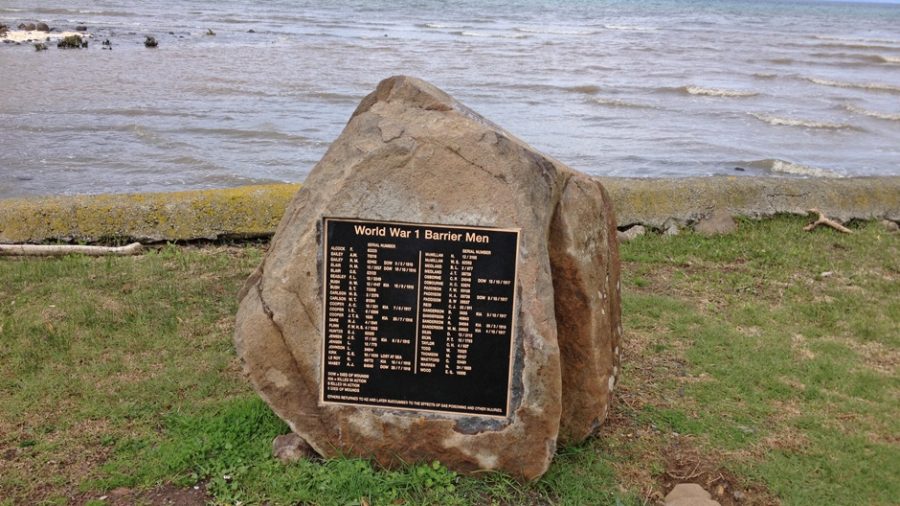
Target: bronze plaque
[(418, 316)]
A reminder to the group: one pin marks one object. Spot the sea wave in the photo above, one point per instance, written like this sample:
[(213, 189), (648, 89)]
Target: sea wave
[(441, 26), (868, 58), (873, 114), (862, 86), (715, 92), (587, 89), (552, 31), (614, 102), (499, 35), (795, 122), (850, 45), (765, 75), (784, 167), (856, 41), (629, 28)]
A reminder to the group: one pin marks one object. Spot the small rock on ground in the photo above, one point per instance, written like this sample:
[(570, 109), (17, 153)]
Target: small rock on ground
[(718, 222), (890, 226), (289, 448), (632, 233)]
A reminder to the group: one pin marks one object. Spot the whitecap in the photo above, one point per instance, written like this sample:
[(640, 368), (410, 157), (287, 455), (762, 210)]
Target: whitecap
[(466, 33), (440, 26), (861, 86), (795, 122), (784, 167), (873, 114), (716, 92)]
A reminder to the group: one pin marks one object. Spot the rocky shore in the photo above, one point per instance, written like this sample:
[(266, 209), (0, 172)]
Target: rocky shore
[(39, 33), (254, 211)]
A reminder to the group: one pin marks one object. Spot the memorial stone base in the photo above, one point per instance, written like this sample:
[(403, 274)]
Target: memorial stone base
[(437, 290)]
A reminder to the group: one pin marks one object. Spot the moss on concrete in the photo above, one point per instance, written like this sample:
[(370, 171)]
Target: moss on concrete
[(254, 211), (655, 202), (248, 211)]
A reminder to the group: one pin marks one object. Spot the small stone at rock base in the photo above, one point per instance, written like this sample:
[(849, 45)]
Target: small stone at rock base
[(687, 490), (890, 226), (718, 222), (632, 233), (693, 501), (672, 229), (289, 448)]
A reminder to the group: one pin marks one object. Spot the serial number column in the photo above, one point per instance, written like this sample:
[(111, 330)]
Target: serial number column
[(463, 268)]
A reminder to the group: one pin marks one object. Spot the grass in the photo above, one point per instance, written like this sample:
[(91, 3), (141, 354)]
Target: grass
[(762, 365)]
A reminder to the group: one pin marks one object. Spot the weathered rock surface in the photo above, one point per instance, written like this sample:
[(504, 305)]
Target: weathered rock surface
[(719, 221), (411, 153)]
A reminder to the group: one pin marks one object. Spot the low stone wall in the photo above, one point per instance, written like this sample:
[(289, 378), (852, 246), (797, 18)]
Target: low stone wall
[(654, 202), (254, 211), (248, 211)]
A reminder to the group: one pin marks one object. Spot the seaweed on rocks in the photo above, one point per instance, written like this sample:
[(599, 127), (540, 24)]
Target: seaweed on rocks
[(72, 42)]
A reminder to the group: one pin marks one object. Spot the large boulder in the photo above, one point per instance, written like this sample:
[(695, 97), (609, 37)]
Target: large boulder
[(412, 154)]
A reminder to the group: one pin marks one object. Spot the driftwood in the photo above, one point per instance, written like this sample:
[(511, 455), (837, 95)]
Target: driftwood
[(67, 249), (828, 222)]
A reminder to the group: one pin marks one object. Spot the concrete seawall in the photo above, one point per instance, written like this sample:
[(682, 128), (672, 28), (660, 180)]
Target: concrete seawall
[(254, 211)]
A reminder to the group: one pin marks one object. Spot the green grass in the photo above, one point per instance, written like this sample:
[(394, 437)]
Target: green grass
[(764, 362)]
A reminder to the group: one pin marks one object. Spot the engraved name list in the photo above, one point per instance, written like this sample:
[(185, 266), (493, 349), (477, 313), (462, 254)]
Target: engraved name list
[(418, 316)]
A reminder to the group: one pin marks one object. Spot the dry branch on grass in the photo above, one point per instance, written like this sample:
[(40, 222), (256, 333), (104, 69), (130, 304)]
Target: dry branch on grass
[(828, 222), (68, 249)]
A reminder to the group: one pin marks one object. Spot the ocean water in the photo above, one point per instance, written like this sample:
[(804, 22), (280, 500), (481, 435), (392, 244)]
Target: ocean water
[(624, 88)]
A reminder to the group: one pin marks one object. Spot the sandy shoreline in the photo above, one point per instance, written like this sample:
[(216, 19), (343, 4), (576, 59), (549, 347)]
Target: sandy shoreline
[(20, 36)]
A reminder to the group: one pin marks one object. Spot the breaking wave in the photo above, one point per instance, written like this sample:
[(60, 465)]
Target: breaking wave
[(861, 86), (777, 166), (466, 33), (553, 31), (873, 114), (715, 92), (780, 121), (440, 25)]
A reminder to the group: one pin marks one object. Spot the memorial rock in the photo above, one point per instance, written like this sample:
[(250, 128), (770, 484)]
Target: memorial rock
[(437, 289)]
